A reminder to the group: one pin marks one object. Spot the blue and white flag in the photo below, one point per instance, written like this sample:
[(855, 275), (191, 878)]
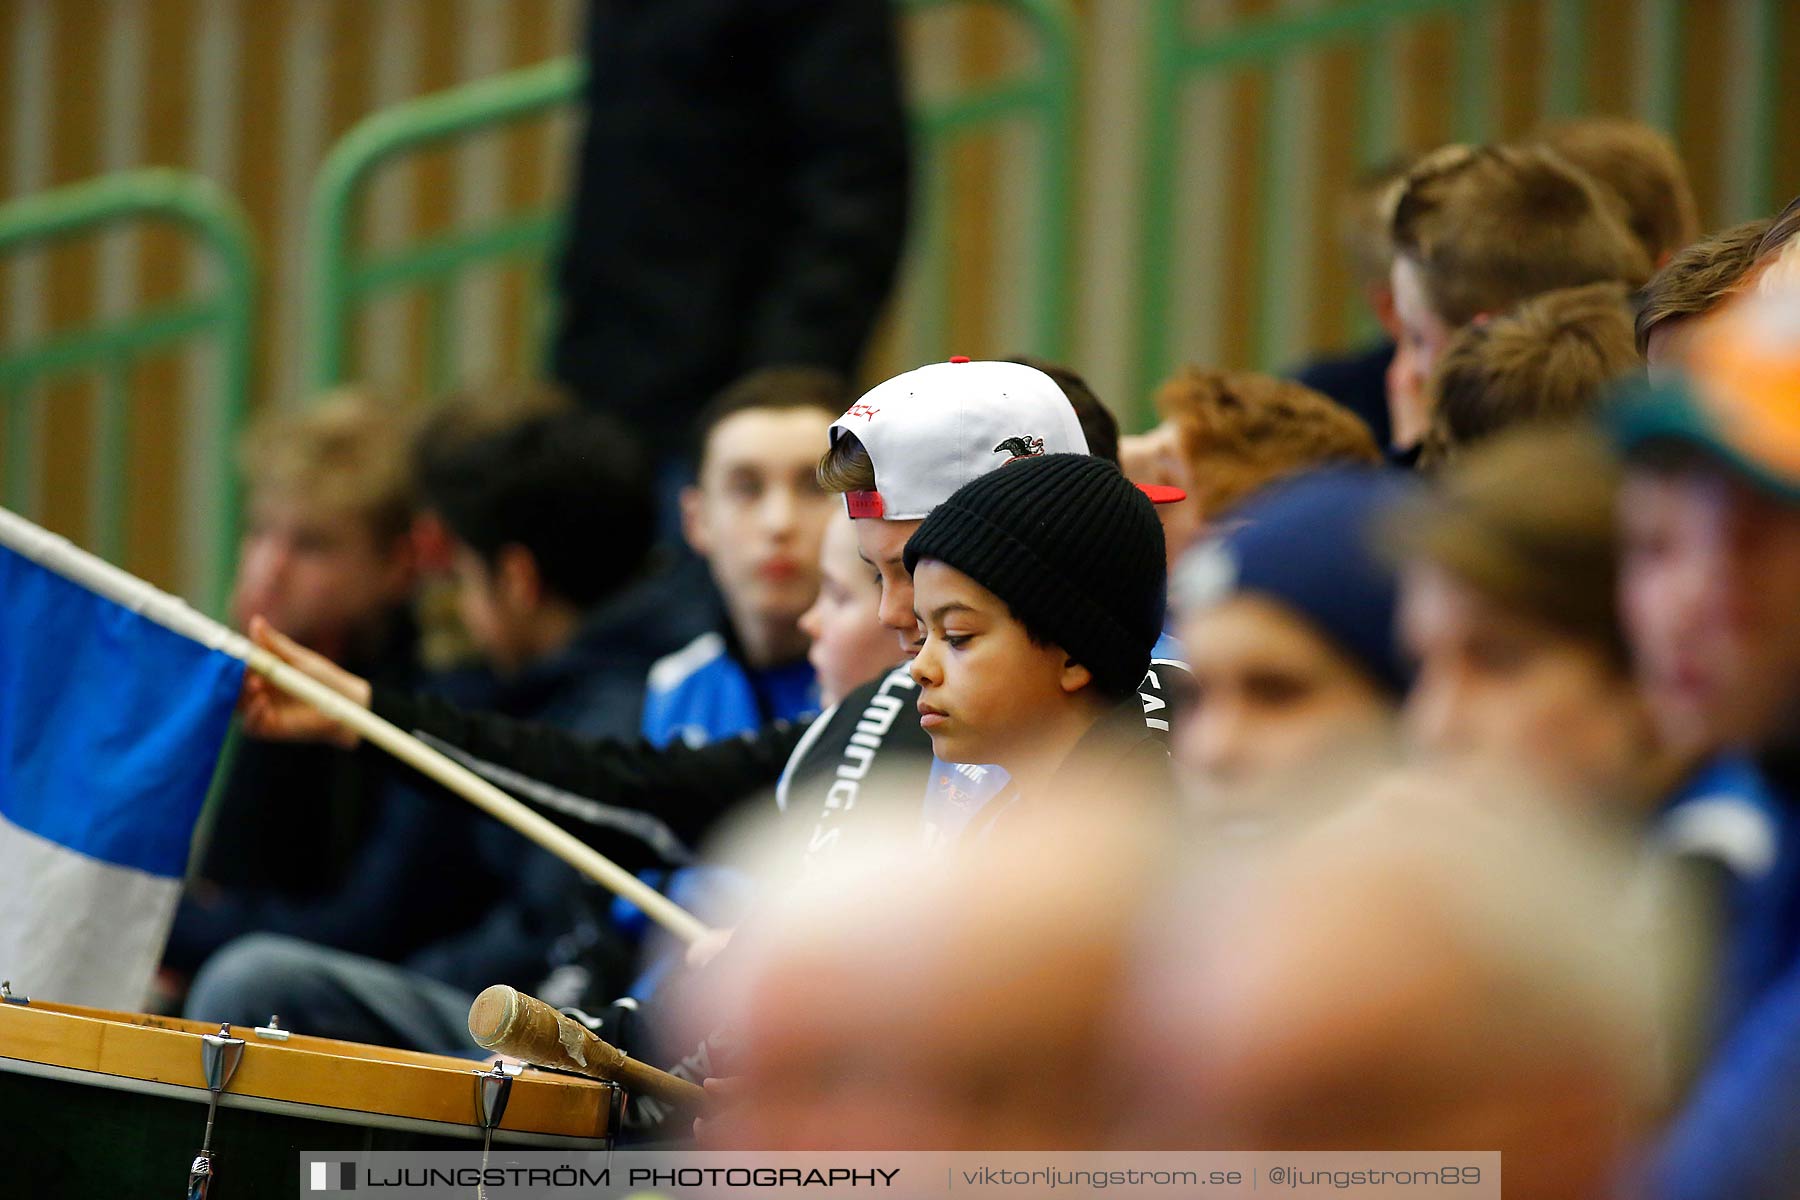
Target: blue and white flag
[(110, 727)]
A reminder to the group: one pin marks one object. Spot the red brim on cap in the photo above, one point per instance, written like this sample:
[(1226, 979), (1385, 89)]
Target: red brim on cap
[(864, 504), (1162, 493)]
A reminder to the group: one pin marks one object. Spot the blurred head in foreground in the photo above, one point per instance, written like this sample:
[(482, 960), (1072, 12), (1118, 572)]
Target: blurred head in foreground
[(1416, 973), (889, 1001)]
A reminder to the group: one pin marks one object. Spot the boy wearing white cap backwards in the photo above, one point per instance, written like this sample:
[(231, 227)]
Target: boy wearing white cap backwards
[(897, 454)]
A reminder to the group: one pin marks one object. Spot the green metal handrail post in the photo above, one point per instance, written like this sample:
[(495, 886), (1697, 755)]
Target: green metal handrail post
[(109, 346), (337, 280)]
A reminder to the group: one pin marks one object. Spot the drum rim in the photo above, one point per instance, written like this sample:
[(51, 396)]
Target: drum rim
[(359, 1118), (121, 1050)]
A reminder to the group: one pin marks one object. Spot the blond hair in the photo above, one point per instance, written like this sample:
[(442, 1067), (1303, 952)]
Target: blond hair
[(1489, 226), (1241, 430), (347, 452)]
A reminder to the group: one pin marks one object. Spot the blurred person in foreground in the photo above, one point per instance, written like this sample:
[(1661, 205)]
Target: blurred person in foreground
[(1425, 970), (1710, 585), (894, 1000)]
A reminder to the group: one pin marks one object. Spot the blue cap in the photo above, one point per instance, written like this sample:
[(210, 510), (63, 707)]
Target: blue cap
[(1310, 544)]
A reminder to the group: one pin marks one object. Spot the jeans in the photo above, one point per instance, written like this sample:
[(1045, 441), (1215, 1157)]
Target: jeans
[(328, 993)]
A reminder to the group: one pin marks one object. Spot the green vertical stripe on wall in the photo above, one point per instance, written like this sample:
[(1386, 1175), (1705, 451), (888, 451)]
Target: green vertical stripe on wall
[(1565, 50), (1659, 63)]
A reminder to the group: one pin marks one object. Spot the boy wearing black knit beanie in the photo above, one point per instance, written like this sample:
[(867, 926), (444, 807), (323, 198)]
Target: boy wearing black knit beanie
[(1040, 588)]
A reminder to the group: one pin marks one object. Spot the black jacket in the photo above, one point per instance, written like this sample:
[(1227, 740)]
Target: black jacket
[(602, 788), (740, 198)]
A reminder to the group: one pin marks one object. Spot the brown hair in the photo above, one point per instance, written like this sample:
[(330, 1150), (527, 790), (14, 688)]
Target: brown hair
[(776, 388), (474, 413), (1639, 164), (347, 452), (1241, 430), (1489, 226), (1551, 357), (1698, 277), (1782, 228), (1528, 520), (847, 466)]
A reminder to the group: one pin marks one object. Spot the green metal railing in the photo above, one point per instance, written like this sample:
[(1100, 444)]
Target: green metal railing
[(344, 279), (109, 348), (1179, 59)]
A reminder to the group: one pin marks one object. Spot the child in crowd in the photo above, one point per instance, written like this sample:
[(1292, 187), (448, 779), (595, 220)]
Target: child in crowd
[(897, 453), (1551, 358), (550, 523), (1638, 164), (327, 552), (1477, 229), (1287, 620), (755, 514), (1226, 434), (849, 646), (1039, 589), (1508, 609)]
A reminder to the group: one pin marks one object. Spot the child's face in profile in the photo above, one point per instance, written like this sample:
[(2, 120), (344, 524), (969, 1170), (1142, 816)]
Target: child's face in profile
[(318, 575), (986, 690), (850, 646), (1423, 336)]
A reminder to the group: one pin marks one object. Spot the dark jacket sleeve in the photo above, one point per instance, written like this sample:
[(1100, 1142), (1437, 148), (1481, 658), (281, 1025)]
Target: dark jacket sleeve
[(838, 88), (686, 788), (415, 869)]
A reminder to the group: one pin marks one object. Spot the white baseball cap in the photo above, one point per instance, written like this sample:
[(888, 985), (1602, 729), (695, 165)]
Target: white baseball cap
[(932, 430)]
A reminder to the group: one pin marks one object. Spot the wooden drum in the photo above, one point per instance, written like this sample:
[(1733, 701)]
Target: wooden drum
[(96, 1103)]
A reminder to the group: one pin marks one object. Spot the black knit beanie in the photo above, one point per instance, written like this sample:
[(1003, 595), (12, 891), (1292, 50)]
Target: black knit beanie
[(1072, 547)]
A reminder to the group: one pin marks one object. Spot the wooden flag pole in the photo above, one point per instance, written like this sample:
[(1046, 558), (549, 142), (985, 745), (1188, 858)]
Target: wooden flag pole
[(57, 554)]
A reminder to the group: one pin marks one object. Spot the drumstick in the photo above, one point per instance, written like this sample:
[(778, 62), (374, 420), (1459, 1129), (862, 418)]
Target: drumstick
[(507, 1021)]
